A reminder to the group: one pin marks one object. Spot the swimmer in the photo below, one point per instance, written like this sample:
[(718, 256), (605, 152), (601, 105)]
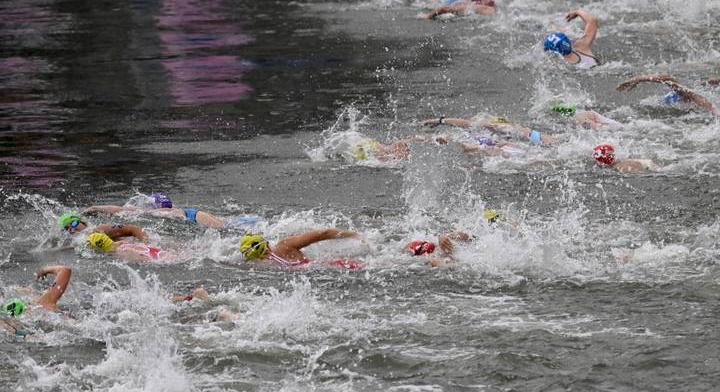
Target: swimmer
[(446, 244), (678, 93), (287, 252), (498, 125), (162, 207), (578, 52), (487, 146), (72, 223), (132, 251), (588, 119), (605, 155), (47, 301), (480, 7), (368, 148)]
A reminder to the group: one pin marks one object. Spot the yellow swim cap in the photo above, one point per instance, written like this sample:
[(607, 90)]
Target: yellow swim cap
[(498, 120), (100, 241), (491, 215), (361, 149), (254, 246)]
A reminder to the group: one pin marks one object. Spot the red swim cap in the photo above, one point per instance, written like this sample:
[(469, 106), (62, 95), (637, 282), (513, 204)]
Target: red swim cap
[(605, 154), (418, 247)]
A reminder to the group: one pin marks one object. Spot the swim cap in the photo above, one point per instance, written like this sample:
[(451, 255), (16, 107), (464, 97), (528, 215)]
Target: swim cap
[(535, 137), (559, 43), (254, 246), (361, 149), (483, 140), (68, 217), (605, 154), (100, 241), (418, 247), (15, 307), (161, 200), (566, 109), (498, 120), (671, 98), (491, 215)]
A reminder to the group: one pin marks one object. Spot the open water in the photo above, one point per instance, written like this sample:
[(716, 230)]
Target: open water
[(595, 281)]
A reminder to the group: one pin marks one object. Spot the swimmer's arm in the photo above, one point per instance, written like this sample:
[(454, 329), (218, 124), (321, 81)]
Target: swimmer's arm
[(62, 274), (695, 98), (458, 122), (446, 243), (198, 293), (591, 27), (447, 9), (300, 241), (124, 231), (108, 209), (657, 78), (484, 9)]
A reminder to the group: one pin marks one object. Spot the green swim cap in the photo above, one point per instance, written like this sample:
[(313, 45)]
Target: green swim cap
[(68, 217), (14, 307), (566, 109)]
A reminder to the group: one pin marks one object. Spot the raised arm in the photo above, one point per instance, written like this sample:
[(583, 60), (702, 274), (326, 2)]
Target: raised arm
[(458, 122), (50, 297), (108, 209), (591, 27), (300, 241), (657, 78), (669, 81), (119, 231)]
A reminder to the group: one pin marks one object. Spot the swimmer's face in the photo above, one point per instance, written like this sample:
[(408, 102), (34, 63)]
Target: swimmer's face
[(75, 226)]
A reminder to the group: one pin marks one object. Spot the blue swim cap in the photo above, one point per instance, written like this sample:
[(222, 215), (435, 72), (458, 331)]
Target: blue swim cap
[(535, 137), (671, 98), (559, 43)]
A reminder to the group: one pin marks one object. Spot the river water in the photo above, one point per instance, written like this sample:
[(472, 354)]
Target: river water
[(594, 281)]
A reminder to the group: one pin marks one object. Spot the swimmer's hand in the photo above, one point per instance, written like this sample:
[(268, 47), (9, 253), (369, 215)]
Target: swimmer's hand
[(446, 244), (572, 15), (432, 123)]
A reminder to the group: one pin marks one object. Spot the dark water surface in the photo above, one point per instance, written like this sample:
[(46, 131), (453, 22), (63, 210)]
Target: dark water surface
[(596, 281)]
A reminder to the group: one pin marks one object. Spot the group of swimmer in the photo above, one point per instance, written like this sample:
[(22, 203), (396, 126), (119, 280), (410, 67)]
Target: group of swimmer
[(498, 137), (132, 243)]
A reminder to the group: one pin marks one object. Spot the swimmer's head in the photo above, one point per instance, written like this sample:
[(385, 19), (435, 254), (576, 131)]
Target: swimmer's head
[(559, 43), (14, 307), (254, 246), (161, 200), (484, 140), (364, 148), (605, 154), (70, 221), (671, 98), (566, 109), (495, 120), (100, 241), (418, 248), (535, 137), (491, 215)]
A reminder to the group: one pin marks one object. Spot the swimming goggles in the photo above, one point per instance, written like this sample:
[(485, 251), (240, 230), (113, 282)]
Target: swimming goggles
[(72, 225)]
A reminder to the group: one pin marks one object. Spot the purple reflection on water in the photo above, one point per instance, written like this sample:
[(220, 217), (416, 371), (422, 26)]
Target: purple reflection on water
[(188, 28)]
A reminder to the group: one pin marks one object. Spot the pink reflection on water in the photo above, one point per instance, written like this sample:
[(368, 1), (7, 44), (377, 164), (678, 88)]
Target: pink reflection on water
[(188, 29)]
